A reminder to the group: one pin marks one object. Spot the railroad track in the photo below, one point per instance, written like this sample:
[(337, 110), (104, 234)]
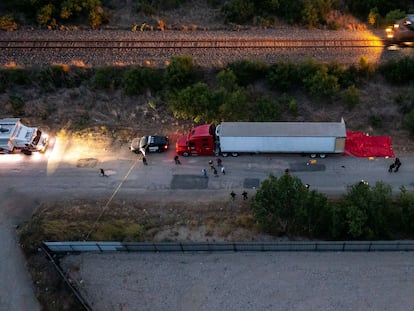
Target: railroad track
[(191, 44)]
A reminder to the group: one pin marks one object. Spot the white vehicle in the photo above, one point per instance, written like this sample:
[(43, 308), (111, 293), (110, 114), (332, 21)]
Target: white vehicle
[(312, 138), (14, 137)]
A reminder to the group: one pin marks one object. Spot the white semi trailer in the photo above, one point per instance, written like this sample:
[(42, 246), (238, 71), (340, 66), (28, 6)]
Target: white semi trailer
[(14, 137), (313, 138)]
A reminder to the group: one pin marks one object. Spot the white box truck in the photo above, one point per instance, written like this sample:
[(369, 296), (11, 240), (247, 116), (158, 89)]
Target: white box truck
[(14, 136), (313, 138)]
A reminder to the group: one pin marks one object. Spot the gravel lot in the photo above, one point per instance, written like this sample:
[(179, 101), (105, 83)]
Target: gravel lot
[(244, 281)]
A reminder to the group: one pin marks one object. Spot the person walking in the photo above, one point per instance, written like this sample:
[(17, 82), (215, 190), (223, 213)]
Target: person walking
[(204, 173), (244, 194), (233, 195), (177, 160), (102, 173), (392, 166), (219, 162), (397, 164), (144, 161), (215, 172), (223, 171)]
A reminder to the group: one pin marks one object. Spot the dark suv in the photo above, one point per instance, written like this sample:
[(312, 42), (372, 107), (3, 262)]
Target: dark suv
[(151, 143), (402, 31)]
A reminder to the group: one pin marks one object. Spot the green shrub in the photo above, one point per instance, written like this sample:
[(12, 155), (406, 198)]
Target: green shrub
[(322, 85), (227, 79), (375, 121), (194, 103), (17, 105), (19, 77), (248, 72), (398, 72), (405, 203), (365, 69), (234, 105), (266, 110), (283, 76), (180, 73), (406, 101), (107, 78), (351, 97), (137, 80), (239, 11), (289, 103), (393, 16)]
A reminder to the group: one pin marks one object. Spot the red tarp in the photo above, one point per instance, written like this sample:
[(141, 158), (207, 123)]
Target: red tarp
[(360, 145)]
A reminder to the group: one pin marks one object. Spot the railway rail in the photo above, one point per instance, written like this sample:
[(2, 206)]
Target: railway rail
[(192, 44)]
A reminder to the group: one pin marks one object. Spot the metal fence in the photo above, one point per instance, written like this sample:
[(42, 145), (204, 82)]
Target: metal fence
[(292, 246)]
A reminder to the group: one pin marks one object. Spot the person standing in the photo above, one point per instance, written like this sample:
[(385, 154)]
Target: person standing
[(204, 173), (219, 162), (233, 195), (215, 172), (177, 160), (102, 173), (223, 170), (144, 161), (397, 164), (244, 194)]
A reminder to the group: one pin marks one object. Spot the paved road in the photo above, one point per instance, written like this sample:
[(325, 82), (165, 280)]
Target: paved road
[(72, 172)]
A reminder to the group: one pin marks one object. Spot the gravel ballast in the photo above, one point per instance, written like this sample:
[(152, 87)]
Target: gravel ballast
[(205, 57), (244, 281)]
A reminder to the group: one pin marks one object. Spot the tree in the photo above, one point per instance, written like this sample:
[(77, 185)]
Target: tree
[(366, 209), (180, 72), (278, 202)]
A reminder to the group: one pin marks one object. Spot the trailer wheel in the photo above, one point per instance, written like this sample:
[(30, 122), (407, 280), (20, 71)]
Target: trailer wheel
[(234, 154), (225, 154), (322, 156), (313, 155), (185, 154)]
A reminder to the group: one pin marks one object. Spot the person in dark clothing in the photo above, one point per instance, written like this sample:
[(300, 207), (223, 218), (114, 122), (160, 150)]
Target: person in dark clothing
[(233, 195), (215, 172), (177, 160), (144, 161), (244, 194), (102, 173), (391, 167), (218, 162), (397, 164)]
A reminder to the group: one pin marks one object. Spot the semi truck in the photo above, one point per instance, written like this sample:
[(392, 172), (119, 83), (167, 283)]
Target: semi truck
[(233, 138), (16, 137)]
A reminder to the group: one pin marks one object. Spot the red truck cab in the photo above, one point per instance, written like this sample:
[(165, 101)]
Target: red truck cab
[(200, 141)]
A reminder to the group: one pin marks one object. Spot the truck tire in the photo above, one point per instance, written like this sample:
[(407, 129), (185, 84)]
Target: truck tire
[(26, 152), (225, 154), (185, 154), (313, 155), (234, 154), (322, 156)]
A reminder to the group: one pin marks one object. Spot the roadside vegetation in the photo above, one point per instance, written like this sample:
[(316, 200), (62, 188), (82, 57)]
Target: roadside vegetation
[(193, 94), (310, 13)]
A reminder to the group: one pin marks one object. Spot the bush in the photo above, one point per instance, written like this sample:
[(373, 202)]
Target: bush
[(180, 73), (266, 110), (322, 85), (239, 11), (8, 23), (194, 103), (227, 79), (285, 205), (283, 76), (140, 79), (17, 105), (107, 78), (248, 72), (398, 72), (393, 16), (351, 97)]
